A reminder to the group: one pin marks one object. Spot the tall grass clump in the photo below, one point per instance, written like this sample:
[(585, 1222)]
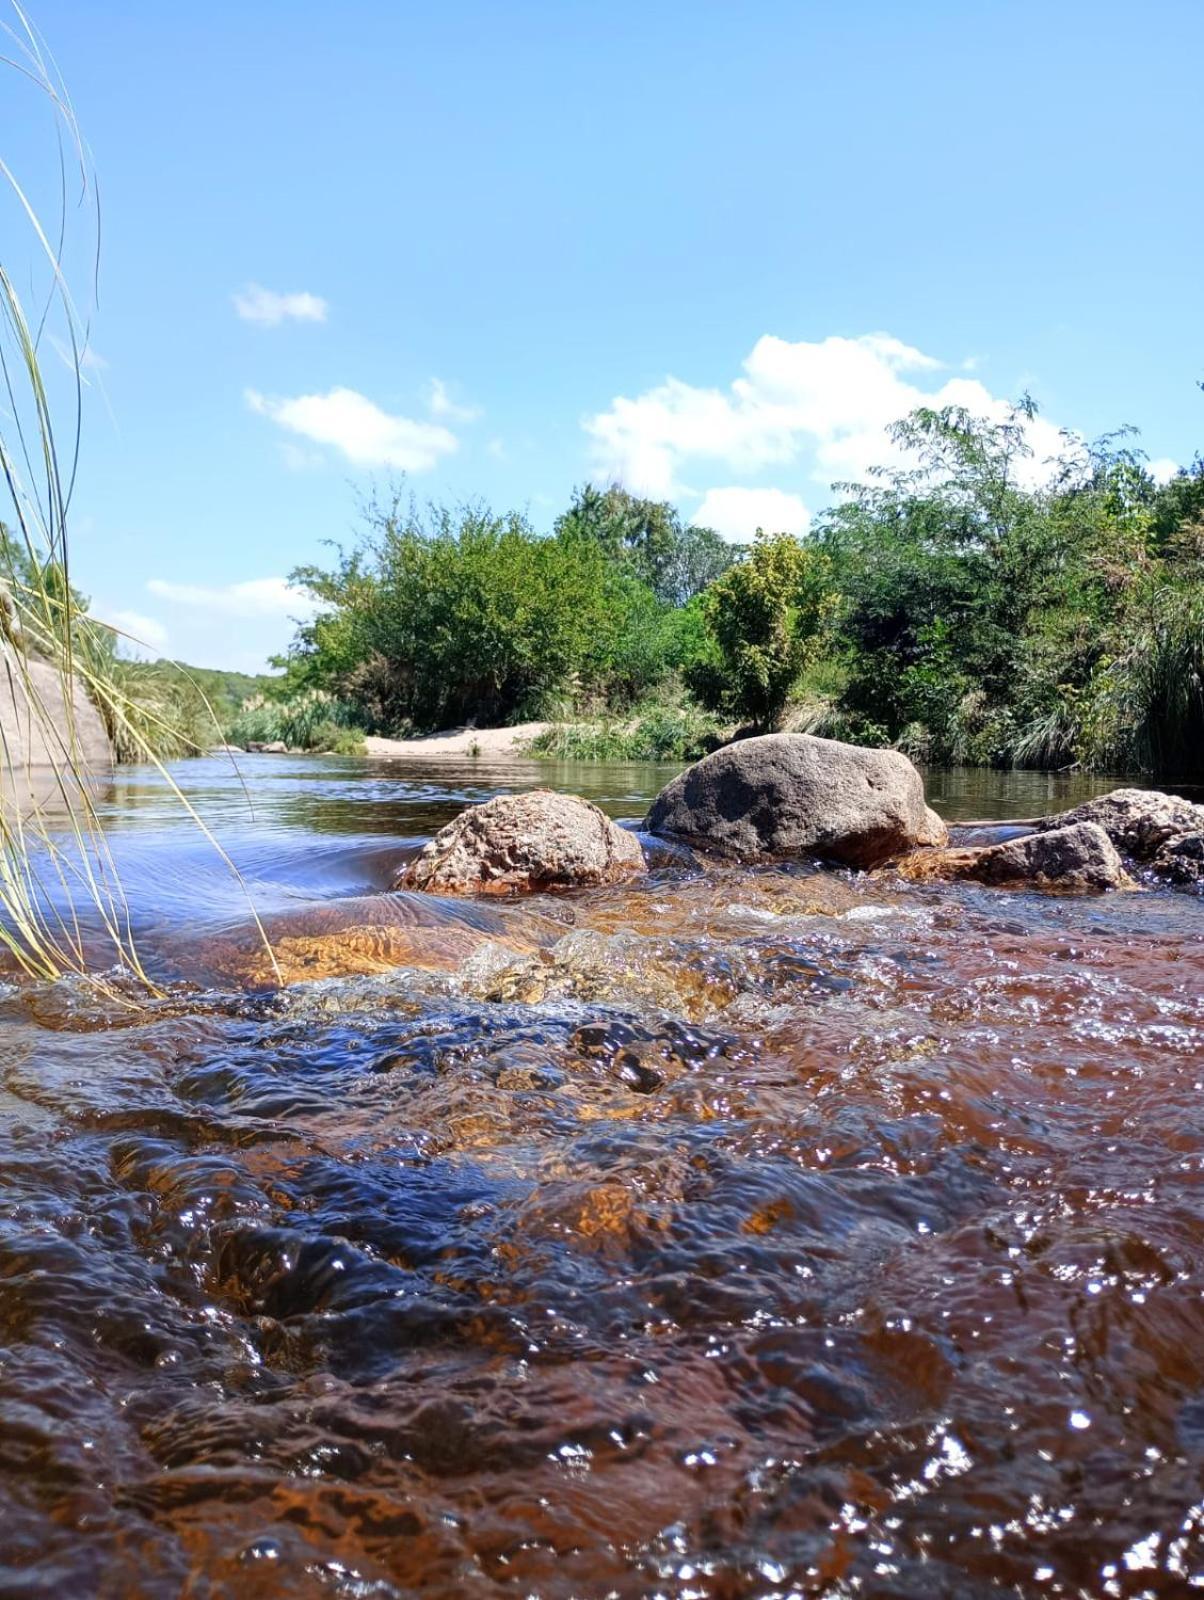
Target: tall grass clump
[(1146, 706), (309, 720), (59, 890), (653, 732)]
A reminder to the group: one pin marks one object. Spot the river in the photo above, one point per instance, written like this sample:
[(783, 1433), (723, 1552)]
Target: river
[(744, 1232)]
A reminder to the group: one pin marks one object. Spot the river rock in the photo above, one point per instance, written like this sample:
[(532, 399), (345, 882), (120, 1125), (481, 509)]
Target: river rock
[(521, 843), (1181, 860), (791, 794), (1075, 858), (1139, 822)]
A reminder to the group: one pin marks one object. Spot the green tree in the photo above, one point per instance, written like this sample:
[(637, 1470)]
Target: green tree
[(766, 615), (674, 560), (449, 614)]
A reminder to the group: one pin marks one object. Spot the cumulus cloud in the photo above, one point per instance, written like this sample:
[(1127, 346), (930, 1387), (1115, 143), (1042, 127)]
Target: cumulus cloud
[(365, 434), (256, 597), (832, 400), (440, 404), (1162, 469), (140, 635), (737, 513), (269, 309)]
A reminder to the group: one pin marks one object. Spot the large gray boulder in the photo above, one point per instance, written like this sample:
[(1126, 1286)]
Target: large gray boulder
[(791, 794), (1080, 857), (520, 843), (47, 721)]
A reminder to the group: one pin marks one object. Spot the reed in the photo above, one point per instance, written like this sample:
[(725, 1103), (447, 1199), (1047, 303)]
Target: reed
[(60, 893)]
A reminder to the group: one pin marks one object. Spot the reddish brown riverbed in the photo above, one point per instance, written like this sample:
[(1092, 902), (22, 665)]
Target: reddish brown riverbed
[(741, 1233)]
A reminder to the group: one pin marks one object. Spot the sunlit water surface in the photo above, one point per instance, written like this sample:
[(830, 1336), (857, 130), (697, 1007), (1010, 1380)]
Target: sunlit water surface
[(735, 1233)]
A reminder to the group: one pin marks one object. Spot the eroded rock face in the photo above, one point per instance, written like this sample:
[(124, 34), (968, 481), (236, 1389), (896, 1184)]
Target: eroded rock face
[(1181, 860), (521, 843), (1139, 822), (1075, 858), (791, 794)]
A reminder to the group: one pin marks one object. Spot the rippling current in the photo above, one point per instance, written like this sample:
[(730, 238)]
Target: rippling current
[(737, 1233)]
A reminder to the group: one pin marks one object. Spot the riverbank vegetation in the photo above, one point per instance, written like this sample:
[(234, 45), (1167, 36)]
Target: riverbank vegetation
[(969, 604)]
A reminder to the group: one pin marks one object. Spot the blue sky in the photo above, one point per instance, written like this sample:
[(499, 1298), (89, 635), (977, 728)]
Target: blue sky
[(708, 248)]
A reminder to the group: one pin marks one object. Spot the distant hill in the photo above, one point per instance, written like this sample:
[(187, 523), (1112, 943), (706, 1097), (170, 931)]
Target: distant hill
[(225, 691)]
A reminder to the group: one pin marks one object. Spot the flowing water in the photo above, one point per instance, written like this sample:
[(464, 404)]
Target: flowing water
[(739, 1232)]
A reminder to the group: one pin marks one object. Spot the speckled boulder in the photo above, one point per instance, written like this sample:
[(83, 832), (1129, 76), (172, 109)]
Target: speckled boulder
[(791, 794), (1181, 859), (523, 843), (1139, 822), (1077, 858)]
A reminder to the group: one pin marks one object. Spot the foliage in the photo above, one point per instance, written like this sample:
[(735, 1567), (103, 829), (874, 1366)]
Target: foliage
[(659, 732), (311, 720), (675, 561), (453, 614), (968, 604), (1144, 707), (991, 605), (766, 615)]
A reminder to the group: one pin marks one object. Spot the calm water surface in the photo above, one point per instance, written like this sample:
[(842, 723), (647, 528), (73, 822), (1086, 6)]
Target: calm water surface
[(742, 1232)]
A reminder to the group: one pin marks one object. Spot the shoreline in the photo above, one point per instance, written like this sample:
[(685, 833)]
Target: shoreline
[(494, 744)]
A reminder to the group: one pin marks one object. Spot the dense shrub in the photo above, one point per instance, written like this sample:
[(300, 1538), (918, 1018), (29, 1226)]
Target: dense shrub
[(765, 615), (653, 733), (972, 605), (310, 720)]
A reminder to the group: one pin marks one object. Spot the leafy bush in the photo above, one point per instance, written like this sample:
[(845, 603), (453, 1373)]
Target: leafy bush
[(765, 615), (309, 721), (659, 733), (457, 615), (1145, 706)]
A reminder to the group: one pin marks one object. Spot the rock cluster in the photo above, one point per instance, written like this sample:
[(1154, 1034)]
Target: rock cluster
[(1160, 831), (1092, 847), (523, 843), (1078, 857), (792, 795)]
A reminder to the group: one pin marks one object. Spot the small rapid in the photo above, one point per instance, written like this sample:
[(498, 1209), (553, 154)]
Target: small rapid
[(739, 1232)]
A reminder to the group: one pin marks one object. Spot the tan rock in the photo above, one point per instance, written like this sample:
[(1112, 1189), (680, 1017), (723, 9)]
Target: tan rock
[(523, 843), (1075, 859), (1139, 822), (47, 719)]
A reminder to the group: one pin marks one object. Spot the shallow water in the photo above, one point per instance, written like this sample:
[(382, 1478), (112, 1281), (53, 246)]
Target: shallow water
[(736, 1233)]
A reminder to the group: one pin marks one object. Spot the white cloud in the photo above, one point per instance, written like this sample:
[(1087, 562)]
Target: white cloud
[(298, 459), (832, 399), (355, 425), (737, 513), (269, 309), (139, 635), (497, 449), (256, 597), (1163, 469), (440, 404)]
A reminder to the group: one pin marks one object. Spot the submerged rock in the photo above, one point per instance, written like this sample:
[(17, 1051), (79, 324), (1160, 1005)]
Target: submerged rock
[(791, 794), (1139, 822), (521, 843), (1078, 857)]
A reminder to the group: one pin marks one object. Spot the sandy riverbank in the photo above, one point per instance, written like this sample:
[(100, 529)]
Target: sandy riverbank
[(497, 744)]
